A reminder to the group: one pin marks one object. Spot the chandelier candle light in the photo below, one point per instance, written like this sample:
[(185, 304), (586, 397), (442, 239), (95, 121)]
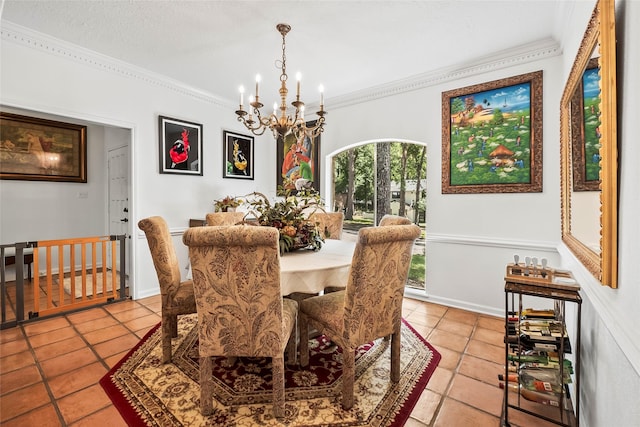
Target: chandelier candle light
[(284, 124)]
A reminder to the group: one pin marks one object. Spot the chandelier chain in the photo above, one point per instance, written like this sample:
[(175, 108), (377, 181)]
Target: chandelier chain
[(283, 76)]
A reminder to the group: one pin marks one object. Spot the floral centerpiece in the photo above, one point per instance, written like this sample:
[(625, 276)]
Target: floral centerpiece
[(227, 204), (289, 217)]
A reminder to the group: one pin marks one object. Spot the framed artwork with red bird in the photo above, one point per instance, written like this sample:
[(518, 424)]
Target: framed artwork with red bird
[(180, 146)]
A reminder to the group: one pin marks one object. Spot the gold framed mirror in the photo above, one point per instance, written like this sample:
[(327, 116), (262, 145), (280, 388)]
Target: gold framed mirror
[(590, 220)]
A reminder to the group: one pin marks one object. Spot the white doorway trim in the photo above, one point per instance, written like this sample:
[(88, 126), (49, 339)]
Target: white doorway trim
[(106, 122)]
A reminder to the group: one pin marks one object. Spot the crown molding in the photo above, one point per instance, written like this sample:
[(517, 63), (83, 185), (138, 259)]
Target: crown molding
[(518, 55), (24, 36)]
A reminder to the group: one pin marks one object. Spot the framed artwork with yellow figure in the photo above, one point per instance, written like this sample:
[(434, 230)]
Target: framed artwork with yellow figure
[(238, 155)]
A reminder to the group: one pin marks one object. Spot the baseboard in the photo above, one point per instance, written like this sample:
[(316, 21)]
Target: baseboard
[(448, 302)]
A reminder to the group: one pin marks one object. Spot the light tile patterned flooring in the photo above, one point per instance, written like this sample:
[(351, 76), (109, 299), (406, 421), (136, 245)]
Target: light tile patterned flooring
[(49, 369)]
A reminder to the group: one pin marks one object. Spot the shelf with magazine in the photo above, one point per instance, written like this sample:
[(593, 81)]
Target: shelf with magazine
[(540, 379)]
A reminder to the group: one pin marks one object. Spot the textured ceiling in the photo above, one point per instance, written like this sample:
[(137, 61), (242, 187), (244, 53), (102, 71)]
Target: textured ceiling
[(347, 46)]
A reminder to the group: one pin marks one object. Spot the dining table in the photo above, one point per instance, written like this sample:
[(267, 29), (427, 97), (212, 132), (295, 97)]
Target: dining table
[(310, 272)]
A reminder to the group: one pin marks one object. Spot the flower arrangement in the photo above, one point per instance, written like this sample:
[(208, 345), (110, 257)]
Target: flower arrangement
[(223, 205), (288, 216)]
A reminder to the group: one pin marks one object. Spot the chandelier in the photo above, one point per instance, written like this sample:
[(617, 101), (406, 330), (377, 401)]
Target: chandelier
[(281, 123)]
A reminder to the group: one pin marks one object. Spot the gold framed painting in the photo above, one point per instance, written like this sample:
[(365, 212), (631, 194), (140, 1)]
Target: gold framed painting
[(34, 149), (492, 137), (585, 130)]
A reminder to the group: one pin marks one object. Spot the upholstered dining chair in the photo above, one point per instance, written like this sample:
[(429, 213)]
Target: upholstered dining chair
[(371, 305), (329, 223), (241, 312), (394, 220), (177, 296), (224, 218)]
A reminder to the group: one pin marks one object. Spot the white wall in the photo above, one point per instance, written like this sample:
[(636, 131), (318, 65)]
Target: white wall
[(40, 210), (611, 338), (81, 86), (470, 238)]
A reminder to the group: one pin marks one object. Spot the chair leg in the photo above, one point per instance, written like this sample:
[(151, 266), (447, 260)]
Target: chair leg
[(348, 376), (395, 357), (277, 364), (303, 333), (174, 326), (291, 348), (206, 386), (166, 339)]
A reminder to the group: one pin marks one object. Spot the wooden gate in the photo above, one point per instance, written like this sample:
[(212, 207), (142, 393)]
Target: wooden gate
[(77, 273)]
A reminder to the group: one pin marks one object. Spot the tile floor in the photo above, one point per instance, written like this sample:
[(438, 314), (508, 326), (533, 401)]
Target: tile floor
[(49, 369)]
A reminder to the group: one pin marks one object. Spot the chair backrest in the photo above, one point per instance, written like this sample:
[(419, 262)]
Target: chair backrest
[(236, 282), (224, 218), (394, 220), (329, 223), (163, 254), (379, 272)]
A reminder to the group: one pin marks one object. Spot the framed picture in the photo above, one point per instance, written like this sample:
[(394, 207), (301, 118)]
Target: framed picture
[(180, 147), (34, 149), (492, 137), (237, 155), (298, 164), (585, 130)]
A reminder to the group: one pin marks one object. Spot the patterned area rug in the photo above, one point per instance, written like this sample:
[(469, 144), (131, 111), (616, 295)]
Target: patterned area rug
[(148, 393)]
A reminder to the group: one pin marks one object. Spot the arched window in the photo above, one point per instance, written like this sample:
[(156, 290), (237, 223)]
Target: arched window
[(374, 178)]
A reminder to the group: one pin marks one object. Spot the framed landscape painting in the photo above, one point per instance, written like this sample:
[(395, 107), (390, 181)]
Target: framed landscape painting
[(492, 137), (180, 147), (585, 130), (238, 157), (298, 163), (35, 149)]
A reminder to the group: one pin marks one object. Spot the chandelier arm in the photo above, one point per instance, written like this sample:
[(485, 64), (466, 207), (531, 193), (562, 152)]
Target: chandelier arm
[(256, 130), (301, 129)]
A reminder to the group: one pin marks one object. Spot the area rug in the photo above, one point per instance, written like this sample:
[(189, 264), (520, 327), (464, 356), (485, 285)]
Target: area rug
[(149, 393)]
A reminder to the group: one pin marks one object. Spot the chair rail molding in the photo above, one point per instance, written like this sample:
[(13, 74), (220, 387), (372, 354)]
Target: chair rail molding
[(485, 241), (623, 332)]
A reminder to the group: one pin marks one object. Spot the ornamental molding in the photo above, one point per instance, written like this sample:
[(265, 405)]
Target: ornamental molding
[(24, 36), (518, 55)]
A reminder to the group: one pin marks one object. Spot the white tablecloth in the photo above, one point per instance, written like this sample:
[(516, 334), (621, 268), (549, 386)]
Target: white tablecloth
[(310, 272)]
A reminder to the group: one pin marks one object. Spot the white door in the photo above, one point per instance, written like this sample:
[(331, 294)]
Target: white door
[(119, 198)]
